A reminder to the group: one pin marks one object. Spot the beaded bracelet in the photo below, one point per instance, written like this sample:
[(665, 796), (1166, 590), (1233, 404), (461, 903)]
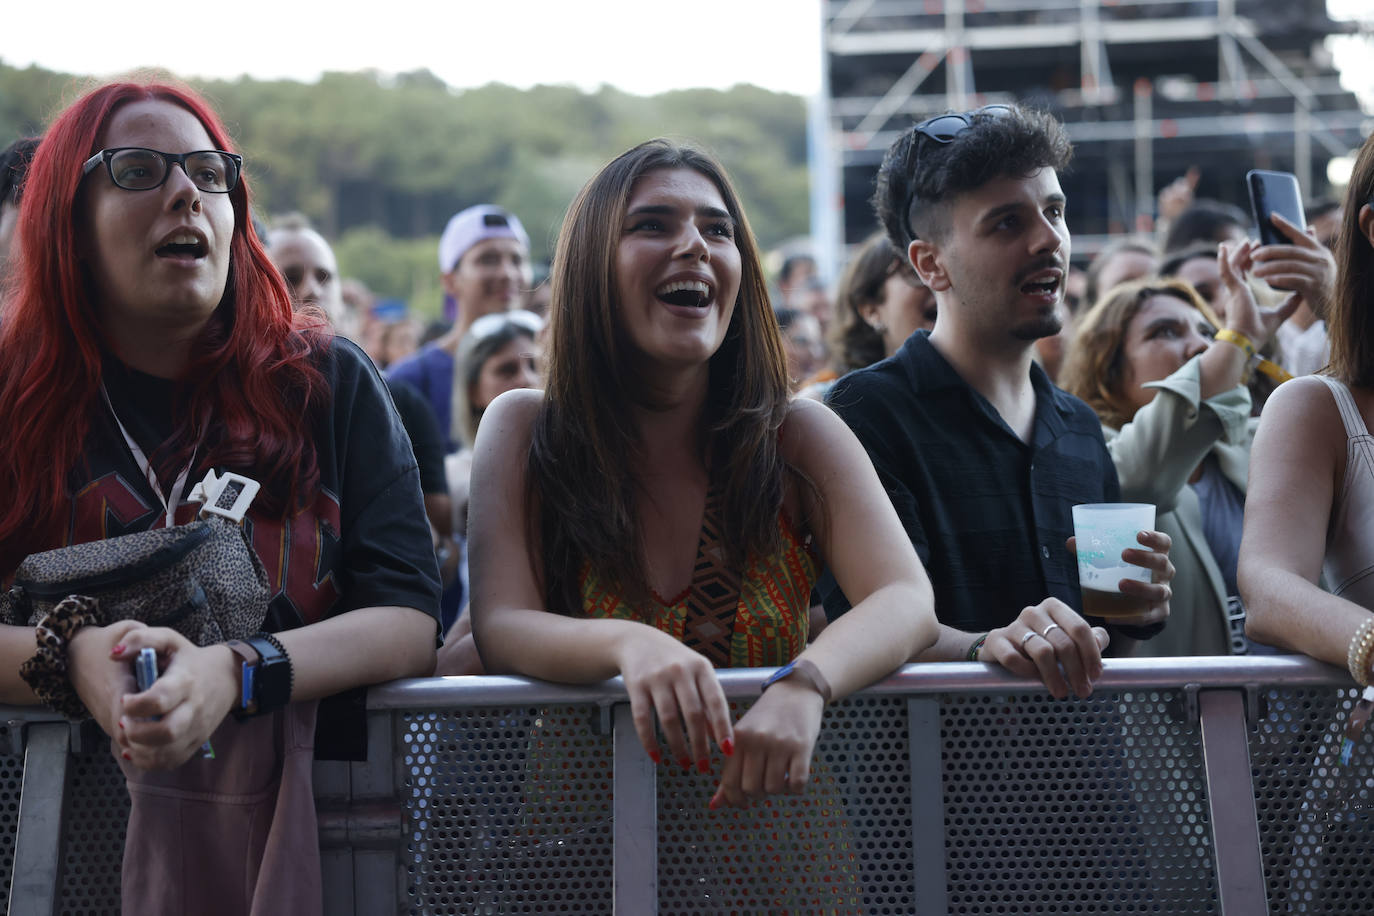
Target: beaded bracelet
[(977, 644), (1357, 656), (47, 671)]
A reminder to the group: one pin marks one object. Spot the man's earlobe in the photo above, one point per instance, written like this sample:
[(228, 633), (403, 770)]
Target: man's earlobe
[(925, 258)]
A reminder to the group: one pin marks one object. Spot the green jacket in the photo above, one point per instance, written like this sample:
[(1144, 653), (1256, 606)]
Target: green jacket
[(1155, 454)]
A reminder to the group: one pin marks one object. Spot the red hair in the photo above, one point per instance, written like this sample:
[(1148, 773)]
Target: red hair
[(252, 371)]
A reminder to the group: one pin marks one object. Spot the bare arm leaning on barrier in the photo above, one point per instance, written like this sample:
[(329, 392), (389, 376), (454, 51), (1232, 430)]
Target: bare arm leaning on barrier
[(856, 531), (1296, 467)]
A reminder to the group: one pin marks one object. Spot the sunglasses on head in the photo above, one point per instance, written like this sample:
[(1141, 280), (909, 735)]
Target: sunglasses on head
[(943, 129)]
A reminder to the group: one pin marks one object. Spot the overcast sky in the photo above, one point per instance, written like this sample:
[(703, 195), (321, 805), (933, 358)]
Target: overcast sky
[(641, 46)]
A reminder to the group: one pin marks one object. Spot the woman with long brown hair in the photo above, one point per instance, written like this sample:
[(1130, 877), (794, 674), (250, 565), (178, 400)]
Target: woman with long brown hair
[(1311, 506), (657, 511)]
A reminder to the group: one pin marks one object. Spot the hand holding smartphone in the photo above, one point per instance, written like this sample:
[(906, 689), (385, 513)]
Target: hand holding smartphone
[(1275, 192), (145, 673)]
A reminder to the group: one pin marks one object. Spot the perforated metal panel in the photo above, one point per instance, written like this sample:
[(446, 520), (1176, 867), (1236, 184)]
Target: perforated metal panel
[(11, 786), (1095, 806), (842, 847), (509, 811), (1316, 818), (94, 820)]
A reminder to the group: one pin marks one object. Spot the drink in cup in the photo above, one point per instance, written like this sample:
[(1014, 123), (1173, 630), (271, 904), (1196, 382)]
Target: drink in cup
[(1102, 531)]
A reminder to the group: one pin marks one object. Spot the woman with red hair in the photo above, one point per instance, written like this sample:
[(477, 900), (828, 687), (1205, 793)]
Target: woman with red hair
[(148, 339)]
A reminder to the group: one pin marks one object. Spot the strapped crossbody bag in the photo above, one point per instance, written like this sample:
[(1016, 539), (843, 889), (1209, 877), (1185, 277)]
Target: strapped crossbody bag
[(202, 579)]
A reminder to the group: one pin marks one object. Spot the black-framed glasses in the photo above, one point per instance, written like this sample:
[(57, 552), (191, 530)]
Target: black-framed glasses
[(943, 129), (135, 168)]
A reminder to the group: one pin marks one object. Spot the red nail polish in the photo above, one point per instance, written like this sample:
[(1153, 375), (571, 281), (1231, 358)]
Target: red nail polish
[(121, 723), (714, 803), (727, 747), (125, 755), (118, 650), (686, 762), (704, 765), (655, 756)]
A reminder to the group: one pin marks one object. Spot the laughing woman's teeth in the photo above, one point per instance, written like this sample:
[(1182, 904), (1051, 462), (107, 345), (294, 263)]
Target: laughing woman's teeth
[(684, 292)]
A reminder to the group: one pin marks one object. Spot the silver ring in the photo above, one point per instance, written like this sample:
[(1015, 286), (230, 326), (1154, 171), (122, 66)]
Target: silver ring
[(1029, 634), (1046, 632)]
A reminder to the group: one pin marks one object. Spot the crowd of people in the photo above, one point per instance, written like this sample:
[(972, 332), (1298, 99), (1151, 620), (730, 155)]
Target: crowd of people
[(656, 463)]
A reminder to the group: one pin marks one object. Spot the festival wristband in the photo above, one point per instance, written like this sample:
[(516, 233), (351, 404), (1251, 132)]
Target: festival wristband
[(1239, 339), (807, 671), (1273, 370)]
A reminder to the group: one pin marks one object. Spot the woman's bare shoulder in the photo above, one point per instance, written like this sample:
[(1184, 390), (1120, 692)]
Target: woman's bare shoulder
[(1305, 404)]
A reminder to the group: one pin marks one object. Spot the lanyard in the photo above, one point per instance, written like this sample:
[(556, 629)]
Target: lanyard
[(173, 497)]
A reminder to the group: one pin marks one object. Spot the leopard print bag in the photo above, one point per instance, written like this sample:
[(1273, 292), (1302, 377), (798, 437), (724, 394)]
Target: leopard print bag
[(202, 579)]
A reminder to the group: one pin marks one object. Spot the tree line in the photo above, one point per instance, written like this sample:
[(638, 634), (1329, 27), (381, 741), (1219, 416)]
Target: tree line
[(380, 162)]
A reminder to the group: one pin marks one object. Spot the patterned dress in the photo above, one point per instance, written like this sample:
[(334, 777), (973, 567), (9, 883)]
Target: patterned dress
[(784, 854)]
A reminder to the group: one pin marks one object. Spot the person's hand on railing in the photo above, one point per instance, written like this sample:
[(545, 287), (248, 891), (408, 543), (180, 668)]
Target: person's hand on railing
[(1050, 641), (774, 741), (666, 679), (194, 692)]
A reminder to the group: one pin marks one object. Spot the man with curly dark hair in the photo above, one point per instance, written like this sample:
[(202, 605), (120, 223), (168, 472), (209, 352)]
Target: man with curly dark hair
[(982, 456)]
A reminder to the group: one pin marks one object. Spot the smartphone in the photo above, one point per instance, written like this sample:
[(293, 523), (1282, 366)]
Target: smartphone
[(145, 668), (1275, 192)]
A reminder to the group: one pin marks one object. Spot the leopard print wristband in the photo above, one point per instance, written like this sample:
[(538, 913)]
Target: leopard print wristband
[(46, 672)]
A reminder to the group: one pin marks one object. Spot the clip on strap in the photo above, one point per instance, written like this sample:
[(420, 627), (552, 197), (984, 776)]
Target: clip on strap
[(210, 493)]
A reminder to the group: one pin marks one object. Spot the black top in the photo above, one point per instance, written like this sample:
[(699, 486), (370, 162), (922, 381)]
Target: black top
[(420, 424), (362, 542), (988, 514)]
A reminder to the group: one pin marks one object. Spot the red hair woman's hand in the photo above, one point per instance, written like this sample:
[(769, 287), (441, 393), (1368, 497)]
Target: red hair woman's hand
[(98, 674), (163, 726)]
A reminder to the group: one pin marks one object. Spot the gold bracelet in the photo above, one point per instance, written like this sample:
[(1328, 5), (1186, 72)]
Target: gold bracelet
[(1239, 339), (1357, 656)]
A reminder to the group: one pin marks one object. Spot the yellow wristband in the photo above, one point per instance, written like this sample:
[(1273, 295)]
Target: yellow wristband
[(1274, 371), (1238, 339)]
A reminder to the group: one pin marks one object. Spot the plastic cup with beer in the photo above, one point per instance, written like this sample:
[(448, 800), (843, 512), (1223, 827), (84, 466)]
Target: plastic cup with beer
[(1101, 532)]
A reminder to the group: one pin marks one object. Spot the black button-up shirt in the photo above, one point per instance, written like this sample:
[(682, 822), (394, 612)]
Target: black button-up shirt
[(988, 514)]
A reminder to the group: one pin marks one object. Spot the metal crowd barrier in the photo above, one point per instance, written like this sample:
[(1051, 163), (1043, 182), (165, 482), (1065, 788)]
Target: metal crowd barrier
[(1206, 785)]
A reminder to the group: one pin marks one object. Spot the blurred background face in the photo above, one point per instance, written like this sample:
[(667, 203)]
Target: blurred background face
[(1124, 266), (515, 365), (1205, 277), (803, 345), (1164, 334), (907, 306), (492, 276), (815, 300), (307, 263), (398, 340)]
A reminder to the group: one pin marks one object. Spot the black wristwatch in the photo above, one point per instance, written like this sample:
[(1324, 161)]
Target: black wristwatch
[(267, 678)]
